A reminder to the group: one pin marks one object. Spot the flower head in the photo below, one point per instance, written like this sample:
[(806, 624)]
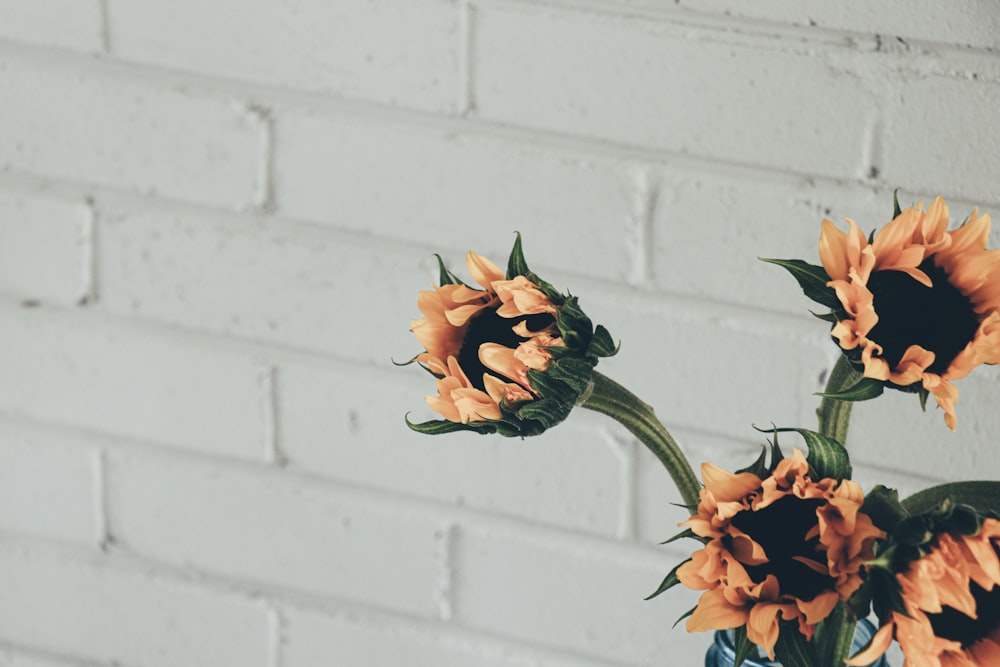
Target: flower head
[(512, 356), (914, 306), (947, 601), (778, 547)]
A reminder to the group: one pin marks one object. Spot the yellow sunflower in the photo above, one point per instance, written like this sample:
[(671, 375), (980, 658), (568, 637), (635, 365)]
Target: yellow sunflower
[(784, 547), (481, 343), (952, 605), (512, 356), (920, 304)]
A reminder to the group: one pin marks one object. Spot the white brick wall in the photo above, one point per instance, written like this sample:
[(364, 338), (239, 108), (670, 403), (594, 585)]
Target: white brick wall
[(213, 224)]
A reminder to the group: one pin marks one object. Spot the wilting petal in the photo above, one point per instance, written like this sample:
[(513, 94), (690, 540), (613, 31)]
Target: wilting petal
[(879, 644), (482, 270), (715, 613), (727, 486)]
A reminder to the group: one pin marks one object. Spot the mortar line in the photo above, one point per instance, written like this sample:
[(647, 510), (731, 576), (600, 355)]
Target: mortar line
[(267, 384), (87, 239), (275, 632), (263, 196), (105, 13), (645, 192), (102, 535), (467, 68), (444, 591)]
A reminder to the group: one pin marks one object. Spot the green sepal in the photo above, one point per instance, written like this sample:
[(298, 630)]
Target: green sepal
[(685, 533), (982, 495), (914, 531), (548, 386), (860, 601), (669, 581), (895, 204), (865, 389), (923, 394), (883, 507), (792, 649), (827, 457), (776, 454), (546, 411), (758, 467), (574, 326), (516, 265), (602, 345), (830, 317), (812, 279), (684, 615), (573, 372), (886, 595), (744, 647), (439, 426), (446, 277)]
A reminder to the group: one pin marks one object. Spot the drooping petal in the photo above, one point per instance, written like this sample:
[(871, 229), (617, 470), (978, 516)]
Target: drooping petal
[(482, 270)]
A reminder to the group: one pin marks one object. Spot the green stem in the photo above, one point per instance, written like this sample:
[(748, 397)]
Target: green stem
[(610, 398), (835, 415)]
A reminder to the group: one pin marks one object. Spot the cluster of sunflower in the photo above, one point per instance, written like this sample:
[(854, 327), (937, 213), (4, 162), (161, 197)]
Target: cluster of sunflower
[(793, 553)]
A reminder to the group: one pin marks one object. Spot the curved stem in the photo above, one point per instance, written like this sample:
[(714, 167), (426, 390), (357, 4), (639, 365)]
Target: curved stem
[(610, 398), (835, 415)]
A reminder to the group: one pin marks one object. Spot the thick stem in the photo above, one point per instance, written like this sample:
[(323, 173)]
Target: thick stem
[(610, 398), (835, 415)]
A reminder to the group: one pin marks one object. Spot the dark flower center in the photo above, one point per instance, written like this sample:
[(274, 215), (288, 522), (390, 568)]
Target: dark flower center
[(780, 528), (488, 327), (956, 626), (938, 318)]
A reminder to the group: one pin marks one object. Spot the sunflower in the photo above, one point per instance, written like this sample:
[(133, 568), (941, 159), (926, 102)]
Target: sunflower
[(784, 547), (950, 615), (917, 306), (491, 349)]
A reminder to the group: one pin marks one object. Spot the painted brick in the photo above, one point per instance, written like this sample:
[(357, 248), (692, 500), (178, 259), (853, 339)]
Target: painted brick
[(47, 485), (362, 639), (272, 527), (346, 48), (88, 126), (89, 608), (670, 87), (131, 382), (893, 433), (937, 121), (736, 218), (422, 184), (348, 424), (687, 360), (70, 24), (974, 23), (44, 248), (306, 289), (574, 596)]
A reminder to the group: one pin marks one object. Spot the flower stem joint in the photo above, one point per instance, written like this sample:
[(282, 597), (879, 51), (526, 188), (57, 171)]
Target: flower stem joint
[(512, 358)]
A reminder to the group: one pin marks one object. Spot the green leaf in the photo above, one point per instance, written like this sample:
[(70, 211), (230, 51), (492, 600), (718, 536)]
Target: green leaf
[(602, 345), (792, 649), (669, 581), (895, 204), (883, 506), (744, 647), (827, 457), (445, 278), (865, 389), (982, 495), (812, 279), (516, 266), (830, 317)]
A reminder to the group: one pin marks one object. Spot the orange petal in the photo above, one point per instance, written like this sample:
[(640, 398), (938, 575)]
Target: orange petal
[(879, 644), (715, 613), (482, 270), (727, 486)]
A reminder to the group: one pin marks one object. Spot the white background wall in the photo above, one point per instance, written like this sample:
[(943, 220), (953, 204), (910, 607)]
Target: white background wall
[(215, 217)]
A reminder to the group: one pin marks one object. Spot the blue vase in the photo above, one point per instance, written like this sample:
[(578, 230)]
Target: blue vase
[(722, 653)]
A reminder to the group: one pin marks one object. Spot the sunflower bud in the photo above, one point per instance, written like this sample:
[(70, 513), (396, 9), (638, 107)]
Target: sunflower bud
[(512, 358), (913, 306)]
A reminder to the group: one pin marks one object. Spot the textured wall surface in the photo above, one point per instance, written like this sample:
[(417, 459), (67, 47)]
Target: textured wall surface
[(215, 217)]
